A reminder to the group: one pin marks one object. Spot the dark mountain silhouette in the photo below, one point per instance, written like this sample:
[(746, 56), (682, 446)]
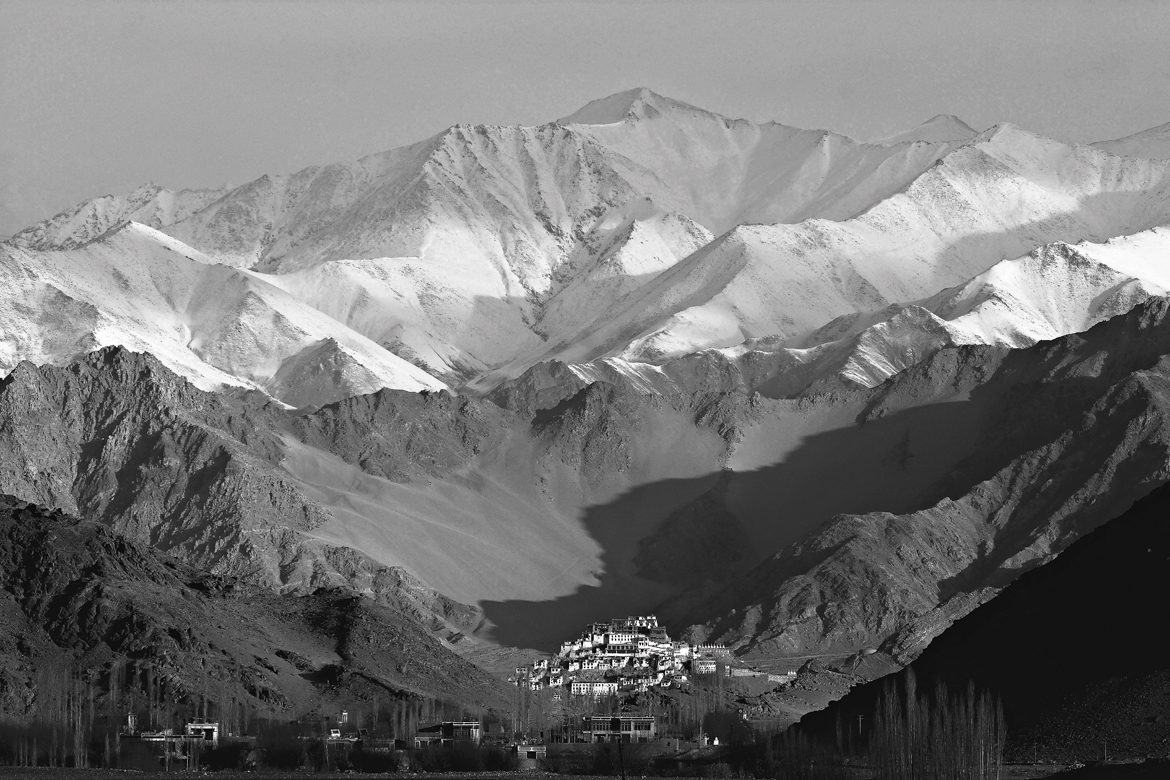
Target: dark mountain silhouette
[(1074, 649)]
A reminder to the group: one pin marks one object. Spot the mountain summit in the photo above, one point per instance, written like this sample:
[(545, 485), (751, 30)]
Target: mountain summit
[(636, 103), (939, 128)]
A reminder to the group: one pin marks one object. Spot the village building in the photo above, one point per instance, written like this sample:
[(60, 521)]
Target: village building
[(627, 728), (704, 666), (449, 733), (593, 688), (208, 731)]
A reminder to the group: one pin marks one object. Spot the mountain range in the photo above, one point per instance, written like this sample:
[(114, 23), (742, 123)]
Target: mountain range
[(800, 394)]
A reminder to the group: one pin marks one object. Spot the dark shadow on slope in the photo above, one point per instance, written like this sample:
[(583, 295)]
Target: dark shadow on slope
[(1071, 648), (897, 461), (1098, 217), (652, 535)]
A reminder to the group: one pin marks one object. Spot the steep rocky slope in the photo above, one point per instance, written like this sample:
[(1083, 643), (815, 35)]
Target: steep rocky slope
[(832, 522), (1056, 439), (1068, 648), (78, 597), (119, 439)]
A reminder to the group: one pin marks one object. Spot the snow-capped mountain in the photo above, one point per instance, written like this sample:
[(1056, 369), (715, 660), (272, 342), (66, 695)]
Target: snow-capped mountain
[(450, 251), (943, 127), (214, 324), (995, 198), (638, 228)]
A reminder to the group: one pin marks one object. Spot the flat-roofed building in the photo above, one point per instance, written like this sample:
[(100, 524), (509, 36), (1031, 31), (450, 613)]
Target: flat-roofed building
[(627, 728), (593, 688), (448, 733), (703, 666)]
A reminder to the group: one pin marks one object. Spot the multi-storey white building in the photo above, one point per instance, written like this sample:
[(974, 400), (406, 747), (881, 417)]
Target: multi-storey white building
[(633, 653), (593, 688)]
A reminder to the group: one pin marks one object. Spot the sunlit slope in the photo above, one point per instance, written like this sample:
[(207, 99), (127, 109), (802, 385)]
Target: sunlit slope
[(997, 198), (723, 172), (1052, 291), (213, 324), (150, 205), (467, 251), (943, 127), (1154, 142)]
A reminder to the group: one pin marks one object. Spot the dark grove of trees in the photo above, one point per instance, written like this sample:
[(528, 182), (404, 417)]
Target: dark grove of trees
[(943, 735), (79, 716), (940, 735)]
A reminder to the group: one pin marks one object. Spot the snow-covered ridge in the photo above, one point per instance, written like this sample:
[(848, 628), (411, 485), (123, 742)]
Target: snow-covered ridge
[(218, 326), (1154, 143), (149, 205), (630, 105), (998, 197), (943, 127), (639, 229), (1052, 291)]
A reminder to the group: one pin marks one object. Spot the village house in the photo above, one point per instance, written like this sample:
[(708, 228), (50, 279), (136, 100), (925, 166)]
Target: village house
[(704, 666), (449, 733), (627, 728)]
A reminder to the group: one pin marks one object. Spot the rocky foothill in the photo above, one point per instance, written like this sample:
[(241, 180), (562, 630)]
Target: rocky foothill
[(80, 600)]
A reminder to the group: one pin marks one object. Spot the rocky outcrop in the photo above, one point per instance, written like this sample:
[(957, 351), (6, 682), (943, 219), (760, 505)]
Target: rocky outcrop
[(399, 435)]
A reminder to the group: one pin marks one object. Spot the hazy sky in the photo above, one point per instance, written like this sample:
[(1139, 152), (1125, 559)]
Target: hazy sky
[(97, 97)]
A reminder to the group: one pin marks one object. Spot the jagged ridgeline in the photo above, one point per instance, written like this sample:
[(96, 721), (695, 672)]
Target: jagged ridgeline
[(795, 394)]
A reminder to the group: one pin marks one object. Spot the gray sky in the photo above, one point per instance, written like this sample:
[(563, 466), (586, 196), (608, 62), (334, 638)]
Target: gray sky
[(98, 96)]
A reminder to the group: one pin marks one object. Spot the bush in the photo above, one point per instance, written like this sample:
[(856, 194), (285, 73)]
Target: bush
[(232, 755), (499, 760), (465, 757), (608, 760), (369, 761), (282, 750)]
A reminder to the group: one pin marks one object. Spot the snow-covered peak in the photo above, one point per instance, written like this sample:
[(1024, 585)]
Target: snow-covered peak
[(1153, 143), (149, 204), (637, 103), (938, 129), (218, 326)]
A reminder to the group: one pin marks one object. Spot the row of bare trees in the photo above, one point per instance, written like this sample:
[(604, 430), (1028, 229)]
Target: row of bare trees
[(60, 727), (941, 735), (78, 713)]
